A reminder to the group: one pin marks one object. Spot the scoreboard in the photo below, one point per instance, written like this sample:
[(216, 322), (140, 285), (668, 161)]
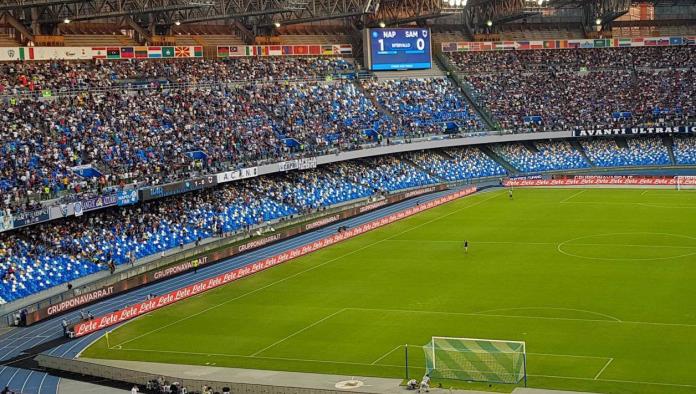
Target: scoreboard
[(397, 49)]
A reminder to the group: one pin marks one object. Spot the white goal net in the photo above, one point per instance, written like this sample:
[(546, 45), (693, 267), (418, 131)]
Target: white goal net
[(481, 360)]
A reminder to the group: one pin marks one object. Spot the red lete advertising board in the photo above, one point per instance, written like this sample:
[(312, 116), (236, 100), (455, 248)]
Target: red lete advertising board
[(605, 180)]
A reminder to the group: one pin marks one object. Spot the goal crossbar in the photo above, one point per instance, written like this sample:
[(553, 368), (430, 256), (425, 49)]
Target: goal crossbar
[(476, 359)]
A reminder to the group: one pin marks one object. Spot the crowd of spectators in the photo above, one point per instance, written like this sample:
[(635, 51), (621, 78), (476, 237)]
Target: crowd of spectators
[(148, 135), (62, 76), (458, 164), (684, 150), (384, 174), (543, 90), (425, 105), (542, 156), (591, 59), (636, 152)]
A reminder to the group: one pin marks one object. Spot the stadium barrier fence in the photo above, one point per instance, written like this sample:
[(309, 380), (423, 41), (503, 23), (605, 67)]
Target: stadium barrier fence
[(119, 316)]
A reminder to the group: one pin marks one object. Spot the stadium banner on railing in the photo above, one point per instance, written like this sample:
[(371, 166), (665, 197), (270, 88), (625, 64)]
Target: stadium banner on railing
[(478, 46), (127, 197), (109, 53), (581, 180), (298, 164), (224, 51), (219, 255), (170, 189), (133, 311), (229, 176), (635, 131)]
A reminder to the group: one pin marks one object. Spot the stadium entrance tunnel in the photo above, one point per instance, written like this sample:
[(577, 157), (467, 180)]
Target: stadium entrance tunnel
[(630, 246)]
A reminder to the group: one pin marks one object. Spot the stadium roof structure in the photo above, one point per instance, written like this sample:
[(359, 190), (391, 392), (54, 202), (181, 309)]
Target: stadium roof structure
[(254, 18)]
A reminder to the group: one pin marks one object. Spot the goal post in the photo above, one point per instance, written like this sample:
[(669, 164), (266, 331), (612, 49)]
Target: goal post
[(685, 182), (479, 360)]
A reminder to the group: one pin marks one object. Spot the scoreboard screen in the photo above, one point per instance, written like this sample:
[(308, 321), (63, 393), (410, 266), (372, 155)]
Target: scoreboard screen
[(398, 49)]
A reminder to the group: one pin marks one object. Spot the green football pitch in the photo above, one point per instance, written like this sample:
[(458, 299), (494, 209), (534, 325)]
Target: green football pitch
[(599, 283)]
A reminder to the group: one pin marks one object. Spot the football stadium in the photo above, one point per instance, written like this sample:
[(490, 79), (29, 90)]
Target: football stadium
[(348, 196)]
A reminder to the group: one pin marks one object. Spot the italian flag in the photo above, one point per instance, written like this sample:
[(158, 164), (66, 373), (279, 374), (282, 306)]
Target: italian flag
[(26, 53)]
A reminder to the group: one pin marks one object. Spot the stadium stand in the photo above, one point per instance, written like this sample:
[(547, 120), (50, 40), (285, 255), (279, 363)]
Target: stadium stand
[(384, 174), (684, 150), (636, 152), (589, 88), (546, 156), (458, 164), (430, 105)]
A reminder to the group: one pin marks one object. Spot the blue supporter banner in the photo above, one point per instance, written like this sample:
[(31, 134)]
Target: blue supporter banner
[(197, 155), (86, 171), (127, 197), (100, 202), (32, 217)]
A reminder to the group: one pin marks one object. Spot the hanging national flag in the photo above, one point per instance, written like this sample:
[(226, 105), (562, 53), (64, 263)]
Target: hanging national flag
[(223, 51), (287, 50), (523, 45), (300, 49), (197, 51), (182, 52), (26, 53), (113, 53), (236, 51), (275, 50), (689, 40), (167, 51), (624, 42), (345, 49), (550, 44), (463, 46), (326, 50), (562, 44), (141, 52), (97, 53), (127, 53), (154, 52), (573, 44), (536, 44), (314, 49), (262, 50), (663, 41), (650, 42)]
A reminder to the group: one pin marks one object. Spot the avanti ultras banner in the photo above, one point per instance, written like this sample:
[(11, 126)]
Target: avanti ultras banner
[(136, 310)]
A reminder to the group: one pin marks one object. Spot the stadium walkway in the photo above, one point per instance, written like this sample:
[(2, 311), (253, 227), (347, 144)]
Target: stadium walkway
[(16, 345)]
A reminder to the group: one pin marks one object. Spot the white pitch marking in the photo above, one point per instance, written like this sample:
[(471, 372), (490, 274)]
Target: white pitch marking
[(573, 196), (298, 332), (603, 368), (386, 354)]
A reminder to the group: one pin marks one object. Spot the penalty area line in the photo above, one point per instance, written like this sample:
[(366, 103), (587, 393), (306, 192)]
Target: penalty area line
[(386, 354), (603, 368)]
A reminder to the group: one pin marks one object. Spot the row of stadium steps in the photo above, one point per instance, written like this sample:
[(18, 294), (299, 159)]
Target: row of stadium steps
[(509, 167), (576, 145), (7, 41), (465, 89), (669, 144), (374, 100), (530, 145)]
